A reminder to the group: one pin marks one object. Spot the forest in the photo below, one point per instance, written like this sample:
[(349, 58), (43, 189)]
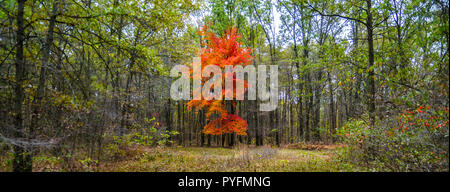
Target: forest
[(85, 86)]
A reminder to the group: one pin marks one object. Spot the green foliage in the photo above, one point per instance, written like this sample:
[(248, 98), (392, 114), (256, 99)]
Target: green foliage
[(88, 163), (415, 140), (108, 66), (150, 137), (353, 132)]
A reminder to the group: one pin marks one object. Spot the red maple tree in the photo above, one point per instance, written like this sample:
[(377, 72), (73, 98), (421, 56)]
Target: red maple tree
[(221, 51)]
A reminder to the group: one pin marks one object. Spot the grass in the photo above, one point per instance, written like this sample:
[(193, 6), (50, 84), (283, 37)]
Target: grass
[(241, 159), (204, 159)]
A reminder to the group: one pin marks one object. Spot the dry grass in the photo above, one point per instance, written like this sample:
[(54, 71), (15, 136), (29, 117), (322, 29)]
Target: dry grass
[(295, 158), (241, 159), (313, 146)]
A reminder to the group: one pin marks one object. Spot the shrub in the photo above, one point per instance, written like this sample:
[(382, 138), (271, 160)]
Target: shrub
[(122, 145), (415, 140)]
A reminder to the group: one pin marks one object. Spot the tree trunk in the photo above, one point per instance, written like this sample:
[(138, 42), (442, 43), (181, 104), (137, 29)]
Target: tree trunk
[(371, 77), (22, 157)]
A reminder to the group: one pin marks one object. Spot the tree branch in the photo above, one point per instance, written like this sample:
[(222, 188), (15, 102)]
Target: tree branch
[(336, 15)]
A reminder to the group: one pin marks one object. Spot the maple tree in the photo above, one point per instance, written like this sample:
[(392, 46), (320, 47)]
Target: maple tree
[(221, 51)]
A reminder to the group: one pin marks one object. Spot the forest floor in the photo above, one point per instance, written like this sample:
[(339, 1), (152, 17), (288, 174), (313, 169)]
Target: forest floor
[(242, 158), (238, 159)]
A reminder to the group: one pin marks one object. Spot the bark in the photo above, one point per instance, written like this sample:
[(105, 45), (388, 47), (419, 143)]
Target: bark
[(371, 77), (22, 157)]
